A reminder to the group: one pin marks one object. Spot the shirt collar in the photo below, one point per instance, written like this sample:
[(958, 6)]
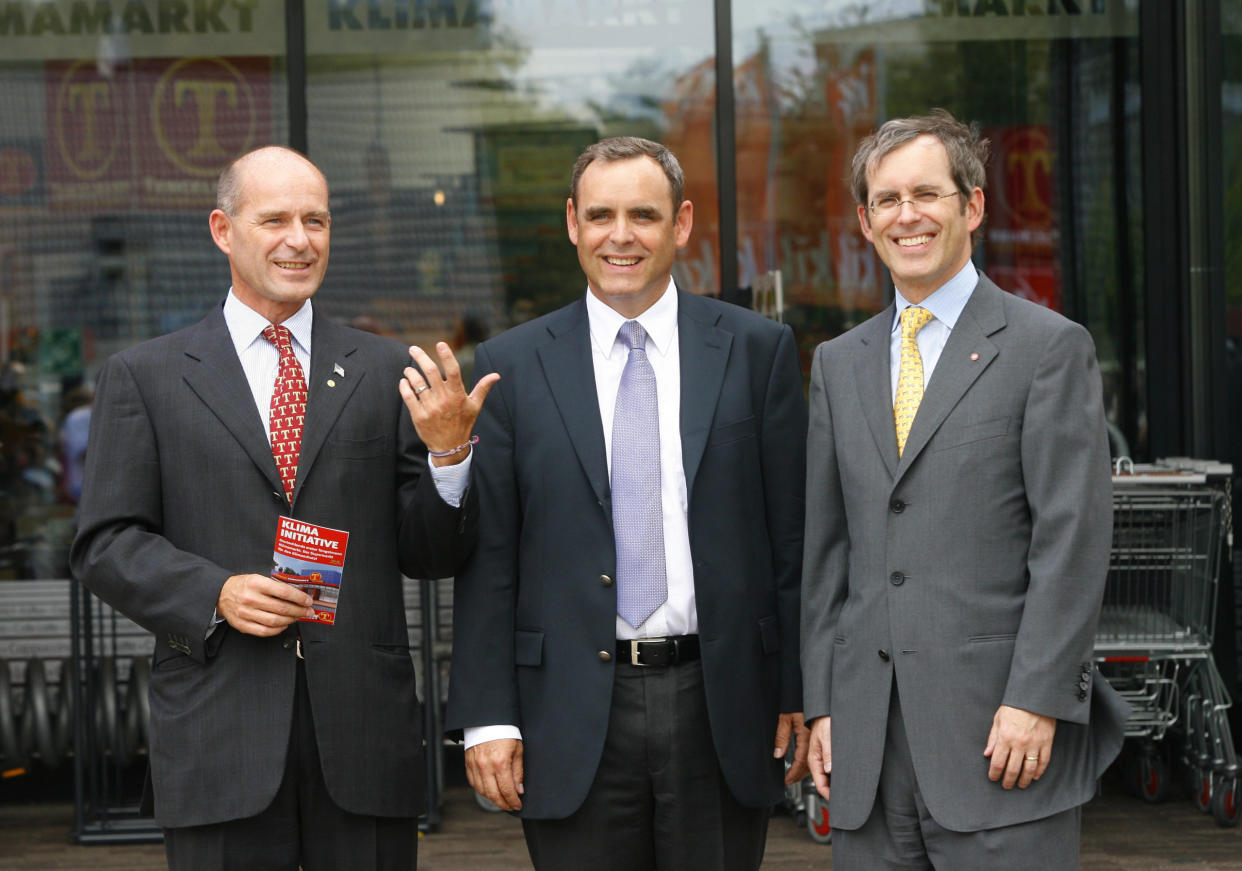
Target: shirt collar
[(245, 324), (660, 322), (945, 302)]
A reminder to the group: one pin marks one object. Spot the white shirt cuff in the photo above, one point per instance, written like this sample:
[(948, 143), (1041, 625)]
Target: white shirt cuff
[(480, 734), (451, 481)]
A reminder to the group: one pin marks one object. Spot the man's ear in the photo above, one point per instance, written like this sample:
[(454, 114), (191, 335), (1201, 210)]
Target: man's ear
[(571, 220), (684, 223), (974, 209), (864, 221), (220, 226)]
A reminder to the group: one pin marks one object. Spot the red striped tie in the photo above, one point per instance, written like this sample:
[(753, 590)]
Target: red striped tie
[(288, 407)]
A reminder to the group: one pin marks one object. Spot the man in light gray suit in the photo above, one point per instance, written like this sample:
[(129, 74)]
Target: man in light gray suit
[(957, 542)]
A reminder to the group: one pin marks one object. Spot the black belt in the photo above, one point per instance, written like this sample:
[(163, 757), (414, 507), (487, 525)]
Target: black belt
[(658, 651)]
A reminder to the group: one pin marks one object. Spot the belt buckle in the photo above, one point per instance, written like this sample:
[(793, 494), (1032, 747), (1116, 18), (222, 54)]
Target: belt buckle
[(634, 642)]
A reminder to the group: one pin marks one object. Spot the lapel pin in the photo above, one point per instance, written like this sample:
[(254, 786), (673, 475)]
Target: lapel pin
[(336, 368), (331, 382), (974, 356)]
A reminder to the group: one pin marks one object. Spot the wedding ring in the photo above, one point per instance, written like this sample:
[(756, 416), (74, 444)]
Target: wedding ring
[(419, 389), (1032, 759)]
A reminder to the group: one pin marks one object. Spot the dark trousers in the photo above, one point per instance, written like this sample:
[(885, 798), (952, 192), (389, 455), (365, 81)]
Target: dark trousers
[(900, 834), (302, 827), (659, 800)]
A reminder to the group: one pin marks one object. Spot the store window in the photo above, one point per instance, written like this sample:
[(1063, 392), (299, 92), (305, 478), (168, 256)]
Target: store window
[(1053, 84), (1231, 163), (448, 129), (117, 119)]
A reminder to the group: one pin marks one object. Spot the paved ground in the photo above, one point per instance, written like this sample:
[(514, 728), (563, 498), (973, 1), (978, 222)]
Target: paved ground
[(1120, 833)]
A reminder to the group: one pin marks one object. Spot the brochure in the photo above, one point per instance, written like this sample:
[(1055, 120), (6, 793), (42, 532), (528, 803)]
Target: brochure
[(311, 557)]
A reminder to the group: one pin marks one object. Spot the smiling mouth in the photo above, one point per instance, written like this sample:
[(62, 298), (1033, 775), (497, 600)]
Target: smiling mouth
[(290, 264), (911, 241), (621, 261)]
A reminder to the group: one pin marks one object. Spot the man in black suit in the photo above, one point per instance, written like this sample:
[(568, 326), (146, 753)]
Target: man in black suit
[(276, 742), (626, 633)]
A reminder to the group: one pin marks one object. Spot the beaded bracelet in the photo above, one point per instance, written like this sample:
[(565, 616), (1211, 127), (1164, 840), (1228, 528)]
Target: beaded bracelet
[(473, 440)]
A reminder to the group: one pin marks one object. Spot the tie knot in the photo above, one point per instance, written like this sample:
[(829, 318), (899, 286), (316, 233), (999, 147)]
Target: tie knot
[(913, 319), (633, 334), (278, 335)]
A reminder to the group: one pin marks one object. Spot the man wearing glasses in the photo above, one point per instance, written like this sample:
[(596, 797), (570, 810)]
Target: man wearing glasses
[(957, 543)]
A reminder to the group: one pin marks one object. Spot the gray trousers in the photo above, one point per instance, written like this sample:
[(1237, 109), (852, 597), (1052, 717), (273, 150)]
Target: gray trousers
[(900, 834)]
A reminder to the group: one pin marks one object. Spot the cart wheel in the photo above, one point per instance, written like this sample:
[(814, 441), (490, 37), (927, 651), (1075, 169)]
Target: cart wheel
[(1225, 801), (1203, 791), (1153, 777), (817, 819)]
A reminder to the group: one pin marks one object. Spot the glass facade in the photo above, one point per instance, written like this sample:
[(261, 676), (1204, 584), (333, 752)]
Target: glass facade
[(447, 129), (1231, 186), (117, 118), (1055, 89)]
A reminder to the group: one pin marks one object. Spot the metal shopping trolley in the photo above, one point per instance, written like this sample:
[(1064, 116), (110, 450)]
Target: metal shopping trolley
[(1171, 523)]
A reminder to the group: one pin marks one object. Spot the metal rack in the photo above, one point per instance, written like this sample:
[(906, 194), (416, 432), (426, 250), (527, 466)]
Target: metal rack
[(74, 678), (1172, 524)]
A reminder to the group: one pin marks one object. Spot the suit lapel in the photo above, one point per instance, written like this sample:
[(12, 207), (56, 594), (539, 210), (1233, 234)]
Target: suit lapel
[(567, 366), (215, 375), (331, 349), (704, 353), (966, 354), (872, 369)]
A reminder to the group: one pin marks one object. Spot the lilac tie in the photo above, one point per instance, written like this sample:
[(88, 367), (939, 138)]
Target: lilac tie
[(637, 514)]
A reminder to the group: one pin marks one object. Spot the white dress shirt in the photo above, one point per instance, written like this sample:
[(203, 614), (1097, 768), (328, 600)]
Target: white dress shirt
[(945, 303), (261, 362), (678, 614)]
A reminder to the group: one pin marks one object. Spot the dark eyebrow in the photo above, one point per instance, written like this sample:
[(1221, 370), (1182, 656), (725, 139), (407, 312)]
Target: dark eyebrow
[(650, 213), (593, 212)]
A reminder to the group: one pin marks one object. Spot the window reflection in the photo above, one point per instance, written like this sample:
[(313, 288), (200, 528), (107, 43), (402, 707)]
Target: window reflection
[(449, 140), (114, 132), (1054, 87)]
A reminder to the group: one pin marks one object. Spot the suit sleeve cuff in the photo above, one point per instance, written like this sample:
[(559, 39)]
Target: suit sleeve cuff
[(472, 735)]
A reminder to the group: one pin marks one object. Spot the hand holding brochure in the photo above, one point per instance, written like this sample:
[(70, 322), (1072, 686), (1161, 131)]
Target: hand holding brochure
[(311, 558)]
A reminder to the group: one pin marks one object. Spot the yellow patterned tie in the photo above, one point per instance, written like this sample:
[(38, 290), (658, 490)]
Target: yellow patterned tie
[(910, 375)]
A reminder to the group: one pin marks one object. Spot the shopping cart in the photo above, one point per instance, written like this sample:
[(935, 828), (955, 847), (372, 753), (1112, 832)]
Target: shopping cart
[(1171, 524), (807, 808)]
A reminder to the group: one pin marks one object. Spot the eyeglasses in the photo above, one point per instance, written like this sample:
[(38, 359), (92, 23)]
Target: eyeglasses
[(890, 204)]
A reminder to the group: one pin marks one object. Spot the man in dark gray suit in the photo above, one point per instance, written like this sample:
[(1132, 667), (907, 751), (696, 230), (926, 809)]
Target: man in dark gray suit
[(625, 636), (276, 742), (957, 542)]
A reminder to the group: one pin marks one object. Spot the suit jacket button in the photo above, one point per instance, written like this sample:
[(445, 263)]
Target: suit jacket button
[(897, 579), (884, 655), (1083, 684), (1082, 695), (605, 580), (605, 656), (897, 506), (287, 643)]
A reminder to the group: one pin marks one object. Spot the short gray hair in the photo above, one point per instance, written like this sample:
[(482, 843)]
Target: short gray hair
[(624, 148), (967, 150)]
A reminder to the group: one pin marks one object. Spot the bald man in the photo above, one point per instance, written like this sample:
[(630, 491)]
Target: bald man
[(277, 742)]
